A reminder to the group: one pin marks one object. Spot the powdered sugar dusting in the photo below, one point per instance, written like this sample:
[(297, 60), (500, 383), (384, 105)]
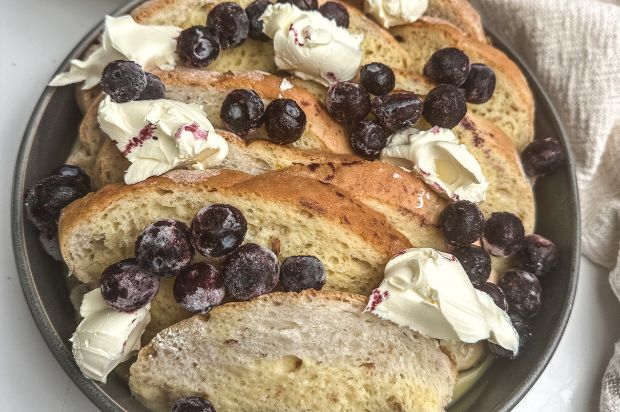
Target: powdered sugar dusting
[(191, 176)]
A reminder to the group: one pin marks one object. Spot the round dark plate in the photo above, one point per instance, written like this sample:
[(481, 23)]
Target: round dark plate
[(50, 136)]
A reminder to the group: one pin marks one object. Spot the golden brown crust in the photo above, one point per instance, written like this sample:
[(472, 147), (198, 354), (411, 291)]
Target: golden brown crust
[(332, 135), (309, 195), (460, 13), (383, 182), (320, 199)]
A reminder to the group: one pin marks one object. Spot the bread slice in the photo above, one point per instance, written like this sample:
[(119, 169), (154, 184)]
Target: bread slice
[(512, 104), (284, 352), (290, 214), (460, 13), (378, 44)]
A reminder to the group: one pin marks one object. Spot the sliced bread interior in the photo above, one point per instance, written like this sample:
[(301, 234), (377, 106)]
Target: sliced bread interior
[(276, 353)]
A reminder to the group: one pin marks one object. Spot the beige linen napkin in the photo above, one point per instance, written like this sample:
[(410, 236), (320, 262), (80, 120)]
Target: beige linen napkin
[(573, 47)]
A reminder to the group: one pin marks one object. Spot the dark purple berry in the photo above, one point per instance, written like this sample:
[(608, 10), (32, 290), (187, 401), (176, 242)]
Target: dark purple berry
[(445, 106), (154, 90), (51, 246), (397, 111), (229, 23), (164, 247), (461, 223), (448, 66), (198, 47), (480, 84), (495, 292), (302, 4), (254, 11), (523, 292), (250, 271), (543, 156), (46, 199), (242, 111), (217, 230), (127, 287), (199, 288), (368, 139), (337, 12), (193, 404), (503, 234), (538, 255), (76, 173), (347, 102), (377, 78), (285, 121), (475, 261), (123, 80), (525, 331), (302, 272)]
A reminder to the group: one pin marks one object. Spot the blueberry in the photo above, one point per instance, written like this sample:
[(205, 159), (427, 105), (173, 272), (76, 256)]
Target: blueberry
[(250, 271), (154, 90), (302, 4), (199, 288), (480, 84), (538, 255), (543, 156), (503, 234), (347, 102), (523, 292), (123, 80), (461, 223), (377, 78), (285, 121), (76, 173), (217, 230), (127, 287), (197, 46), (368, 139), (254, 11), (193, 404), (495, 292), (448, 66), (242, 111), (229, 23), (302, 272), (164, 247), (445, 106), (397, 111), (46, 199), (525, 331), (337, 12), (476, 262)]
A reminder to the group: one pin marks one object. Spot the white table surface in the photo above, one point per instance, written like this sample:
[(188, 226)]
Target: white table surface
[(34, 37)]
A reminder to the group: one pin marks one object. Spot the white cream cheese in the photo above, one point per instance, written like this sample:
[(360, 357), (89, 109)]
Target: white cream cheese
[(390, 13), (438, 158), (310, 45), (106, 337), (160, 135), (466, 355), (429, 292), (124, 39)]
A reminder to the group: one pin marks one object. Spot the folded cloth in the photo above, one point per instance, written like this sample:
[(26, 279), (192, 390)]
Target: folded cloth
[(573, 46)]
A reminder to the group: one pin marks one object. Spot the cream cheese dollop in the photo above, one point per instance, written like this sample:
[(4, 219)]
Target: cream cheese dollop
[(310, 45), (124, 39), (390, 13), (106, 337), (440, 160), (429, 292), (157, 136)]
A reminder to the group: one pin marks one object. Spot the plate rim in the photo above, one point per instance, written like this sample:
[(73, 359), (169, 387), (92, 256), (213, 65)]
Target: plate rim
[(92, 390)]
